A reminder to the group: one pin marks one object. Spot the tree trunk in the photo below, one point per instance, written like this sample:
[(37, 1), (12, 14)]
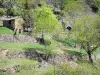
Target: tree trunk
[(44, 42), (90, 56)]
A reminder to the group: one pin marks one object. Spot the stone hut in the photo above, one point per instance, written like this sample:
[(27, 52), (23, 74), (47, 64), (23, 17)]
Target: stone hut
[(9, 23), (14, 23)]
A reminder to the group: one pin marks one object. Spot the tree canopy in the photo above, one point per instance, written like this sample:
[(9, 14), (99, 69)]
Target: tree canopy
[(46, 21)]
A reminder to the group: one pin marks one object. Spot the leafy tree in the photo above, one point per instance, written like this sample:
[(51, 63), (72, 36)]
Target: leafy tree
[(25, 4), (45, 21), (2, 11), (8, 4), (87, 33), (26, 7)]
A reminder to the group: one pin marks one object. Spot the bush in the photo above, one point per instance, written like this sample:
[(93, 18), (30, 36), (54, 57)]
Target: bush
[(2, 11), (14, 12), (47, 42), (99, 11)]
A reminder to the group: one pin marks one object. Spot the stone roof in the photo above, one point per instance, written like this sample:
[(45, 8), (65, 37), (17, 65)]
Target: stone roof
[(5, 18)]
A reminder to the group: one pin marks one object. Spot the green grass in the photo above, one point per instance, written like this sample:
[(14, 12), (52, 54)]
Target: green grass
[(7, 63), (72, 43), (39, 47), (26, 47), (37, 71), (20, 46), (96, 51), (4, 30), (83, 68), (68, 42), (81, 51), (76, 51)]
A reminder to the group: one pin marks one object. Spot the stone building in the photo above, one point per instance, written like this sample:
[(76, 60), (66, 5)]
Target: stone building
[(9, 23)]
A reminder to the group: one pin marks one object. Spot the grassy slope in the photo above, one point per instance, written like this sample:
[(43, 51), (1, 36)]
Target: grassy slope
[(6, 63), (37, 71), (83, 68)]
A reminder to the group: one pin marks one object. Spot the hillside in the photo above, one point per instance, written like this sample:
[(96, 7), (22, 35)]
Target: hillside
[(49, 37)]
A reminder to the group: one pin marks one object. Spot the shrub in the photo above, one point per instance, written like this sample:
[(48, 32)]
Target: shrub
[(2, 11), (15, 12), (47, 42)]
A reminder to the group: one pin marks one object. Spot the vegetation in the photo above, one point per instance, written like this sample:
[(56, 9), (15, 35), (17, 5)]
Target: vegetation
[(4, 30), (20, 46), (2, 11), (87, 34), (67, 34), (6, 63)]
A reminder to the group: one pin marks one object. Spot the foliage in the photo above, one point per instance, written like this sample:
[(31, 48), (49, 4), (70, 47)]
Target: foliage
[(28, 17), (2, 11), (17, 64), (25, 7), (85, 29), (15, 11), (13, 62), (25, 4), (87, 34), (46, 21), (87, 69), (73, 8), (36, 71), (8, 3)]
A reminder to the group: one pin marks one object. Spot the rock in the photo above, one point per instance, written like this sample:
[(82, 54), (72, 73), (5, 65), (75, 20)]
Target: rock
[(97, 56), (43, 64), (18, 38), (72, 64), (11, 71), (74, 58)]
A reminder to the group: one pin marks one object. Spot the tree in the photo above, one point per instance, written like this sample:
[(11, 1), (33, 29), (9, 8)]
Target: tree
[(26, 7), (25, 4), (8, 4), (87, 34), (45, 21)]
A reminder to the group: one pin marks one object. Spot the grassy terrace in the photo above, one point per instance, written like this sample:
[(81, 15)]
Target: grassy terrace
[(20, 46), (82, 51), (4, 30), (75, 50), (26, 47), (6, 63), (41, 48)]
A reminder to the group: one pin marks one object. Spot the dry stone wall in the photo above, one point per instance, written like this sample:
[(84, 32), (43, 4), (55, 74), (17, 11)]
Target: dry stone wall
[(5, 38)]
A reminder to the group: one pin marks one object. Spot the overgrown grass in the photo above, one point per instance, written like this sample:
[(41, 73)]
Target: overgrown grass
[(36, 71), (4, 30), (7, 63), (83, 68)]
